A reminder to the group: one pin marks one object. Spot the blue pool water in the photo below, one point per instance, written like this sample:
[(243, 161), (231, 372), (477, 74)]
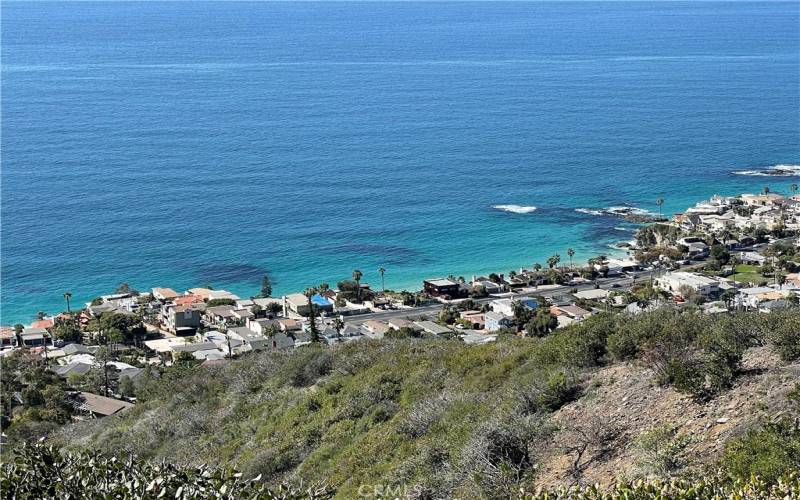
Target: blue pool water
[(192, 143)]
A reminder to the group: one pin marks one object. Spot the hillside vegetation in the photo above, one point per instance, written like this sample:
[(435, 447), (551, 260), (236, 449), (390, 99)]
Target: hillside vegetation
[(444, 419)]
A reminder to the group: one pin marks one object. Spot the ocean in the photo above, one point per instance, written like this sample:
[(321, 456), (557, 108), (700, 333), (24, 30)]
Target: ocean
[(187, 144)]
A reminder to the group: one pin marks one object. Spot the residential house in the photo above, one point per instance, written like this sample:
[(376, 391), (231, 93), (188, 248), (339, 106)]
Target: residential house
[(506, 306), (599, 294), (200, 293), (432, 328), (43, 323), (774, 305), (219, 315), (572, 311), (494, 320), (182, 319), (442, 287), (398, 323), (243, 315), (297, 303), (752, 258), (35, 337), (97, 406), (264, 326), (289, 326), (476, 318), (7, 336), (245, 303), (198, 350), (753, 296), (164, 294), (760, 200), (673, 282), (222, 294), (375, 329), (490, 286), (620, 266), (348, 333), (252, 341)]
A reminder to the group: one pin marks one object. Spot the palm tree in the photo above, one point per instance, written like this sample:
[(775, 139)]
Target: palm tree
[(67, 296), (338, 325), (537, 267), (381, 271), (571, 253), (309, 293), (793, 189), (553, 260), (766, 189), (357, 278), (659, 202)]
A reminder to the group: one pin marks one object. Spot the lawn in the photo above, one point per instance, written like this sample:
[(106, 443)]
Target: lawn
[(746, 273)]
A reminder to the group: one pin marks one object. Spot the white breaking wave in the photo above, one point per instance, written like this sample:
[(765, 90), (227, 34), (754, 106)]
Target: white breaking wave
[(773, 171), (515, 209), (590, 211), (620, 211), (625, 229)]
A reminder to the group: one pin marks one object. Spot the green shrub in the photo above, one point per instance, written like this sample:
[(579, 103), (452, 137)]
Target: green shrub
[(769, 452), (662, 451), (37, 471)]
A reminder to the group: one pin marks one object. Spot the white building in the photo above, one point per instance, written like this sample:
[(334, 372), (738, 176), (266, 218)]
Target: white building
[(673, 282)]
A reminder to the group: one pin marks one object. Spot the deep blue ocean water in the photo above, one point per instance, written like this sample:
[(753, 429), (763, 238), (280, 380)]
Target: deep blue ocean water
[(192, 143)]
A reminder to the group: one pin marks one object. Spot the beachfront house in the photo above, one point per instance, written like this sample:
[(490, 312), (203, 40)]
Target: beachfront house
[(34, 337), (760, 200), (7, 336), (297, 303), (164, 294), (490, 286), (442, 287)]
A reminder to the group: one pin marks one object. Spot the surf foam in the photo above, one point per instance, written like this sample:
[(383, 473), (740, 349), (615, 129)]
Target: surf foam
[(515, 209), (782, 170)]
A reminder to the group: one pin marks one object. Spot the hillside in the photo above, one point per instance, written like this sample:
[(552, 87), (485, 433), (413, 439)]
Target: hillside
[(666, 394)]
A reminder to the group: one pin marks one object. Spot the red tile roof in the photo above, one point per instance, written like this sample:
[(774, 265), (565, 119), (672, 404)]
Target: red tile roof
[(43, 323)]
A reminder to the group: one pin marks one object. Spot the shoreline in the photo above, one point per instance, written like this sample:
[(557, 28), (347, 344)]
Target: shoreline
[(614, 216)]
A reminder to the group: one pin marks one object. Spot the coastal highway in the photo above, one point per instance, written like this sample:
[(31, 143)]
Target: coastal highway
[(622, 283)]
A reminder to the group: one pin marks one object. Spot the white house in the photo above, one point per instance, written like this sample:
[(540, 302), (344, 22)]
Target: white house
[(494, 320), (673, 282)]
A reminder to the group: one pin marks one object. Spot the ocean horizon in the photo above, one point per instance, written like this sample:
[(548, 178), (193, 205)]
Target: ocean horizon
[(187, 144)]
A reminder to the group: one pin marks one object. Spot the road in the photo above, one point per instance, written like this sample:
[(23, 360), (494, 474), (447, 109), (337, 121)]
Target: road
[(622, 283)]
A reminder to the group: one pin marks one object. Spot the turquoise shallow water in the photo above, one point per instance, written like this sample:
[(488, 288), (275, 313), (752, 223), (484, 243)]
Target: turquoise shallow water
[(183, 144)]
